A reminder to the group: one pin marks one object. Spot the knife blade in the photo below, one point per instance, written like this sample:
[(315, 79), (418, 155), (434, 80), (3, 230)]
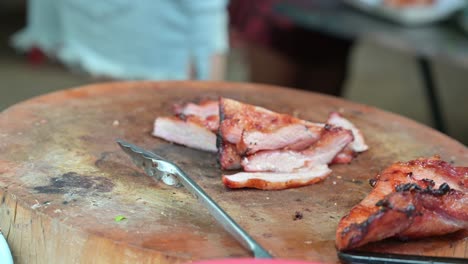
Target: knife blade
[(389, 258), (161, 169)]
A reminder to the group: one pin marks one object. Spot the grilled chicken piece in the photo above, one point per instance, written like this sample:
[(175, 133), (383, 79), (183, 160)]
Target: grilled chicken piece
[(189, 133), (275, 180), (251, 129), (419, 198), (332, 141)]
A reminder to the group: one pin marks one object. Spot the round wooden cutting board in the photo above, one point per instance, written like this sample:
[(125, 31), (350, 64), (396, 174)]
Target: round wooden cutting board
[(64, 180)]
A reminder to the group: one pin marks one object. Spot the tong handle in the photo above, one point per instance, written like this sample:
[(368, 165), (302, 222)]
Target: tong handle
[(221, 216)]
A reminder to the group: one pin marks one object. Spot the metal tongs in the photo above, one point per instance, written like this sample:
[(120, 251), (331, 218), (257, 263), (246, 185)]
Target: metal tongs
[(161, 169)]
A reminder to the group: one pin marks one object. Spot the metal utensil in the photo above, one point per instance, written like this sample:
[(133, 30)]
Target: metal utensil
[(388, 258), (162, 169)]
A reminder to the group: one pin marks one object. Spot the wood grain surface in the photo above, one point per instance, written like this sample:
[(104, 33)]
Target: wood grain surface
[(63, 179)]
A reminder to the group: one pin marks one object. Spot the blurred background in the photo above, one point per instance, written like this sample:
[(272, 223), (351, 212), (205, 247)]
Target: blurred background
[(409, 57)]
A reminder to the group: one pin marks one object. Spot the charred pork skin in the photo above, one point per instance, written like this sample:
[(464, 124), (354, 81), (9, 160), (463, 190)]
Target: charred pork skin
[(415, 199), (228, 157)]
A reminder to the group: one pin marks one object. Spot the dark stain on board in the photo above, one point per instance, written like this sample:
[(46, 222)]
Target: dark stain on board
[(72, 182)]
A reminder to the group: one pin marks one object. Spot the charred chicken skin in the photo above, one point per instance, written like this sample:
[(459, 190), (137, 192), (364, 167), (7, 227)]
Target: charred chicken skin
[(415, 199)]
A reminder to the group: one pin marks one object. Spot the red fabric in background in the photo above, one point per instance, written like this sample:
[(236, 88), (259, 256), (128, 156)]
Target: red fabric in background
[(315, 61), (256, 20)]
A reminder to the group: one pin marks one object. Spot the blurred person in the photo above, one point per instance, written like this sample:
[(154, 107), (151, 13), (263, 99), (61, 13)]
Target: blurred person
[(124, 39)]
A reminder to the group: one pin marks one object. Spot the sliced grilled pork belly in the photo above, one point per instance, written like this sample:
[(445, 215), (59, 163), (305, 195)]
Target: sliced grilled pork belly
[(276, 180), (251, 128), (238, 118), (295, 136), (205, 113), (345, 156), (358, 144), (210, 122), (416, 199), (203, 109), (235, 117), (332, 141), (185, 132)]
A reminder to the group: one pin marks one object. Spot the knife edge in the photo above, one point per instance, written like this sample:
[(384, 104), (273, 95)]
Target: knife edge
[(372, 257)]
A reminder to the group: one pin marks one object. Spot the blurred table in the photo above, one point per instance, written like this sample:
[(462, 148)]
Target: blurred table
[(443, 41)]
